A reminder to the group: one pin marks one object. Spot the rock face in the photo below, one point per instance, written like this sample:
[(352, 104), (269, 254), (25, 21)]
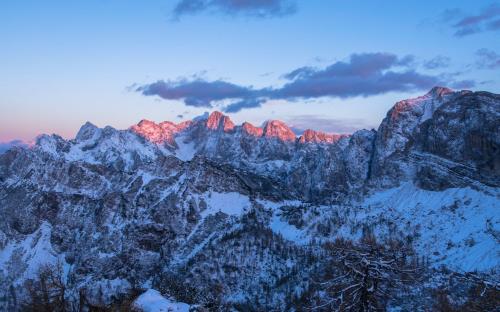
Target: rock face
[(311, 136), (213, 203)]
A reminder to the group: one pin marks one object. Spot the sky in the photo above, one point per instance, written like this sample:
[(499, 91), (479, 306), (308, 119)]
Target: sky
[(335, 65)]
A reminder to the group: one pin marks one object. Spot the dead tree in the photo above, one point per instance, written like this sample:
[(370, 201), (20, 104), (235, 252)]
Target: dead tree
[(47, 292), (363, 276)]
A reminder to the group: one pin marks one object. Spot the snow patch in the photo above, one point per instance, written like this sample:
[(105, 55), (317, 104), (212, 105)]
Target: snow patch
[(185, 151), (153, 301), (232, 203)]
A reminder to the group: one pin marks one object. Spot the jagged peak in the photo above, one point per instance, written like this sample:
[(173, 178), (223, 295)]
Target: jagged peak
[(438, 91), (250, 129), (157, 133), (312, 136), (278, 129), (145, 122), (145, 125), (86, 131), (218, 121), (424, 105)]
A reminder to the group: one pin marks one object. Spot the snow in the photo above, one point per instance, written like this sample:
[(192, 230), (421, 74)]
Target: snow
[(47, 144), (279, 226), (185, 151), (288, 231), (35, 250), (108, 145), (454, 223), (232, 203), (153, 301)]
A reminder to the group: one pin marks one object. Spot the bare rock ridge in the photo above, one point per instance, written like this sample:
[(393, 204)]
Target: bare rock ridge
[(216, 121), (311, 136)]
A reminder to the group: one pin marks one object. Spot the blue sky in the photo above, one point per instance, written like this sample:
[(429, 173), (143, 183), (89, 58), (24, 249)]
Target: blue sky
[(66, 62)]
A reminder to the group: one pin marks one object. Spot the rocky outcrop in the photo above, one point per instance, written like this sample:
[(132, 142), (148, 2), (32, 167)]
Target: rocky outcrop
[(279, 130)]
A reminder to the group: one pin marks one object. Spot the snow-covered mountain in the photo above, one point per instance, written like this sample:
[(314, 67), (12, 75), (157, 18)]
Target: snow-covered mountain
[(240, 211)]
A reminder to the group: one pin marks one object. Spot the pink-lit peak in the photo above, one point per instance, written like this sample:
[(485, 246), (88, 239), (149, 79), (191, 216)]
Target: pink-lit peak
[(278, 129), (217, 121), (166, 131), (311, 136), (159, 133)]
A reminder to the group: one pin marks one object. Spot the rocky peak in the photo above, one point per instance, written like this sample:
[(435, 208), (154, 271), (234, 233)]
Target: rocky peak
[(86, 132), (278, 129), (158, 133), (218, 121), (439, 91), (421, 107), (311, 136), (252, 130), (168, 125), (149, 130), (183, 125)]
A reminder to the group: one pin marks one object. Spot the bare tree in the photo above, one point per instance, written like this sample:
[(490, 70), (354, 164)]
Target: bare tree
[(362, 276), (47, 292), (483, 293)]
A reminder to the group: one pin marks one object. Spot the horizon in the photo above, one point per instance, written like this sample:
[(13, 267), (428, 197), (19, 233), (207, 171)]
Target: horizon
[(303, 63), (298, 131)]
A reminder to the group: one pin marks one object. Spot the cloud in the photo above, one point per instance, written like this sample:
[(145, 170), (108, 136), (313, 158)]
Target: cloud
[(463, 84), (487, 59), (495, 25), (4, 146), (437, 62), (364, 74), (246, 103), (254, 8), (198, 93), (302, 122), (467, 24)]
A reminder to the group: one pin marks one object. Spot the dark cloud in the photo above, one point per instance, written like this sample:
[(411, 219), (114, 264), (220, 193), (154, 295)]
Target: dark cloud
[(487, 59), (4, 146), (437, 62), (301, 123), (363, 74), (468, 24), (246, 103), (198, 93), (495, 25), (254, 8)]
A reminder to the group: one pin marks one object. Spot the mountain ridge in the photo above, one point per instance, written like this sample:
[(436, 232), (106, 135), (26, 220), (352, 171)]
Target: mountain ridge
[(207, 202)]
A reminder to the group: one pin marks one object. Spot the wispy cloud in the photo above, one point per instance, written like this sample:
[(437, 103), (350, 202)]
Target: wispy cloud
[(364, 74), (487, 59), (253, 8), (437, 62), (464, 24)]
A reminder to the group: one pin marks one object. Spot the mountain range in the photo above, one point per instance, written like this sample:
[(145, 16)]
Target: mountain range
[(208, 211)]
